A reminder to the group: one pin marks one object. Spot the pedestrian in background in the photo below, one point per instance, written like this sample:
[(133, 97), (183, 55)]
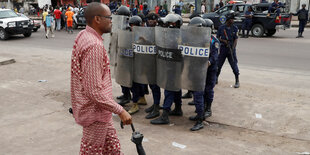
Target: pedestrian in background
[(91, 86), (44, 14), (69, 16), (166, 7), (203, 8), (221, 4), (57, 14), (303, 17), (162, 12), (49, 20)]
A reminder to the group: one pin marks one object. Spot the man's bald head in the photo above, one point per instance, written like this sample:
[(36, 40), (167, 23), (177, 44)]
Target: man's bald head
[(95, 9)]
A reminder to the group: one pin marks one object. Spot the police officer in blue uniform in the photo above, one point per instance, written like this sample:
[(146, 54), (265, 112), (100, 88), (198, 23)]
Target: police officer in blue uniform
[(171, 21), (275, 7), (228, 37), (154, 109), (247, 23), (303, 16), (204, 99)]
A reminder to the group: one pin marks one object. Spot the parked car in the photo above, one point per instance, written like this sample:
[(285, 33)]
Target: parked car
[(79, 18), (13, 24), (261, 24)]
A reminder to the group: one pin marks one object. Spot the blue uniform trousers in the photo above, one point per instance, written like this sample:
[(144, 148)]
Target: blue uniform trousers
[(170, 97), (137, 91), (302, 24), (199, 102), (225, 53), (210, 84), (246, 25), (156, 93), (125, 91)]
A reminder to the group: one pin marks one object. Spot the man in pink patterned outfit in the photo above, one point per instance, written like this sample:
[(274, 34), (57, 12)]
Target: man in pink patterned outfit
[(91, 86)]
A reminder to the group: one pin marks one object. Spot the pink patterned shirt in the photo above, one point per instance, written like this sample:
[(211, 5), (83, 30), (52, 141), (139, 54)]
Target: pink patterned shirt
[(91, 85)]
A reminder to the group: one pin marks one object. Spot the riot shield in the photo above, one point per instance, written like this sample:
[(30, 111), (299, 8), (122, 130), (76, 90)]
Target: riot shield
[(195, 46), (145, 55), (118, 23), (124, 66), (169, 58)]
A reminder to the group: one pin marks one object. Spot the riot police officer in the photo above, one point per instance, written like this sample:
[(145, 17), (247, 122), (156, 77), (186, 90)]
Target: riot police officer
[(126, 97), (203, 99), (212, 72), (247, 23), (137, 88), (172, 21), (153, 111), (228, 37)]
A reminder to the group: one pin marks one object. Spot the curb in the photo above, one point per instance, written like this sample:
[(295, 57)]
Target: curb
[(6, 61)]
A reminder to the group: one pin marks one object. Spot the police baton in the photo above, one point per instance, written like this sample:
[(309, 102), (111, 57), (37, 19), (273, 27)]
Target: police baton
[(136, 138)]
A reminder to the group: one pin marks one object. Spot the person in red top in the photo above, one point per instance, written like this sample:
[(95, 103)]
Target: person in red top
[(91, 85), (141, 7), (69, 15), (57, 14), (156, 9)]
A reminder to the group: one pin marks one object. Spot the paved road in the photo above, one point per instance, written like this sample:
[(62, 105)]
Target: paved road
[(282, 51), (35, 120)]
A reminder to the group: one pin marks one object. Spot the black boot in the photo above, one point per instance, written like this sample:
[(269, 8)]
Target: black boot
[(125, 100), (208, 112), (154, 113), (177, 111), (217, 81), (191, 103), (199, 125), (163, 119), (149, 109), (237, 84), (194, 118), (121, 97), (189, 94)]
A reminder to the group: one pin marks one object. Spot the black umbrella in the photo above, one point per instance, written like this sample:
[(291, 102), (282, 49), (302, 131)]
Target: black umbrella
[(137, 138)]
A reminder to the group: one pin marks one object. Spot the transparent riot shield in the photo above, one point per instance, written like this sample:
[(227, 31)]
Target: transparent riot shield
[(169, 58), (195, 48), (145, 55), (124, 66)]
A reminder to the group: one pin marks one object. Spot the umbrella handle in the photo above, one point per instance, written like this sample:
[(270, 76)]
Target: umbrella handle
[(132, 127), (140, 150)]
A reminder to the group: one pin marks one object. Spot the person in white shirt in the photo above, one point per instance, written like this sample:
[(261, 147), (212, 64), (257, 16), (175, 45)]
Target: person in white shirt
[(203, 8)]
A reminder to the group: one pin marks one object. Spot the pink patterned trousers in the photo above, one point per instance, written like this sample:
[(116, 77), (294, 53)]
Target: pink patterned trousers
[(100, 139)]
